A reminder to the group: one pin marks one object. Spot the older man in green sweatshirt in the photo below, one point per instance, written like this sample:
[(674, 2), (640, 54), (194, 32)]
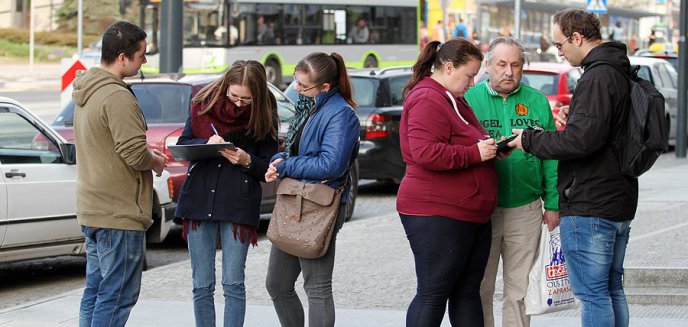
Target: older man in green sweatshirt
[(502, 103)]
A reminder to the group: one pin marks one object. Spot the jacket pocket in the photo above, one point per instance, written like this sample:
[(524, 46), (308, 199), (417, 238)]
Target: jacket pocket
[(568, 190)]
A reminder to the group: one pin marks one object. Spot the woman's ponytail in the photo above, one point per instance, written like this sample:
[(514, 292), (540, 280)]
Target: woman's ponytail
[(423, 66), (342, 80)]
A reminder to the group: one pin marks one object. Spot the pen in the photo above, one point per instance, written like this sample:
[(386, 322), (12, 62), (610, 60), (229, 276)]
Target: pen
[(213, 128)]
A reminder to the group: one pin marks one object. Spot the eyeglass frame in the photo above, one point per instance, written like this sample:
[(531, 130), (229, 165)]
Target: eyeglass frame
[(561, 44), (305, 89), (234, 98)]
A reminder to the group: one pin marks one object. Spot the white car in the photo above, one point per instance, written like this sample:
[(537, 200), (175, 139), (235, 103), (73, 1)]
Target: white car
[(38, 190)]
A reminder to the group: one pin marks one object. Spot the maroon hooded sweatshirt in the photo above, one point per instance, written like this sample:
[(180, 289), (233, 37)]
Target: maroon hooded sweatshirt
[(444, 173)]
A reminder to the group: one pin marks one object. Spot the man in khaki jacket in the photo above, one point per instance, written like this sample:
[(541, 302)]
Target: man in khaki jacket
[(115, 184)]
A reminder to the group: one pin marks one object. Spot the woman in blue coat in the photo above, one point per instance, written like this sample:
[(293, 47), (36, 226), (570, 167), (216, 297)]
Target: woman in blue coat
[(220, 198), (321, 145)]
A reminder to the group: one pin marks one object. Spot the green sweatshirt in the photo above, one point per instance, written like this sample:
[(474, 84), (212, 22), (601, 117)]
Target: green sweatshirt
[(523, 178)]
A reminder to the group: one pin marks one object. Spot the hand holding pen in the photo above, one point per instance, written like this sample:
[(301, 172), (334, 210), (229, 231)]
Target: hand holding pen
[(215, 138)]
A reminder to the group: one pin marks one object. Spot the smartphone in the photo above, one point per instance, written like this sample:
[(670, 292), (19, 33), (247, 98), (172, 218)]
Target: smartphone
[(502, 144)]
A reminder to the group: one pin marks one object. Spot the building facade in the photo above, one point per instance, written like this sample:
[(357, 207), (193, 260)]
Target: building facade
[(17, 13)]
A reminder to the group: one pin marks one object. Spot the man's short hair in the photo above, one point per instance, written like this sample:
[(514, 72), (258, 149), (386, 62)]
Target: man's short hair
[(505, 40), (121, 37), (575, 20)]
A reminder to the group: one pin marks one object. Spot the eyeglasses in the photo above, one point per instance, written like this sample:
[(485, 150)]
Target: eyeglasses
[(561, 44), (234, 98), (304, 88)]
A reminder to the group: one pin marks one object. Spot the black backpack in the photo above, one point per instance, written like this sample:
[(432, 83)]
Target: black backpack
[(646, 134)]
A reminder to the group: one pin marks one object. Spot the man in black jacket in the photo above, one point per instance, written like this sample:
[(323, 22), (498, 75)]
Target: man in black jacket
[(596, 200)]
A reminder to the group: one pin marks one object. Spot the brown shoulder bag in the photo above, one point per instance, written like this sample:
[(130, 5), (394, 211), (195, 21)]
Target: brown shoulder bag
[(304, 217)]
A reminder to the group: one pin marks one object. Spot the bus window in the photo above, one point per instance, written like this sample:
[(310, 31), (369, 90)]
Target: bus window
[(204, 25)]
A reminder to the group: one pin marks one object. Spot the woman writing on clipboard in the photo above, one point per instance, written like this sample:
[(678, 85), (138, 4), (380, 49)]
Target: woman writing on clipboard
[(220, 199)]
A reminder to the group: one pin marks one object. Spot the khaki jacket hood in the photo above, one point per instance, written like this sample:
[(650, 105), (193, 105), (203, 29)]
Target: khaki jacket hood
[(89, 81)]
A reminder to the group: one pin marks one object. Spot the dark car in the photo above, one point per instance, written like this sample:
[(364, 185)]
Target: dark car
[(165, 101), (378, 95)]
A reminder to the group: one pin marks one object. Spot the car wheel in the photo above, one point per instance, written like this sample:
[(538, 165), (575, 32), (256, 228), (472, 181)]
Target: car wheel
[(370, 62), (353, 192), (273, 72)]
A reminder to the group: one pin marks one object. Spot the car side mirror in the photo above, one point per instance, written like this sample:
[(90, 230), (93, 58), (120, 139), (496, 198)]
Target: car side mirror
[(68, 151)]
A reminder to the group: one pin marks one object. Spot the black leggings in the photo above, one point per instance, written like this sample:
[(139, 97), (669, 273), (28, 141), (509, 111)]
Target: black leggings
[(450, 258)]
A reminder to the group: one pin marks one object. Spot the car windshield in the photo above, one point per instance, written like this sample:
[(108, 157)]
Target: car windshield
[(161, 104), (545, 82)]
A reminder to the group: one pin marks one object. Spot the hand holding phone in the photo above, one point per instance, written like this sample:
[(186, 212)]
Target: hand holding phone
[(502, 144)]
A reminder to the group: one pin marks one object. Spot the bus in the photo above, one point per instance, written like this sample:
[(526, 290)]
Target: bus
[(280, 33)]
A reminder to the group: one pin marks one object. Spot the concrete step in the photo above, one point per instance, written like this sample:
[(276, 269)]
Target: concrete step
[(661, 286), (657, 295), (655, 277)]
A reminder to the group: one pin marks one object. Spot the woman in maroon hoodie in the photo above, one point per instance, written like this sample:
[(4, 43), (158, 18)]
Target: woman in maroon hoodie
[(450, 187)]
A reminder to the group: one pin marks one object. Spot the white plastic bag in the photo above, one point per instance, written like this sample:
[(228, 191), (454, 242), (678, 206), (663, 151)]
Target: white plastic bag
[(549, 289)]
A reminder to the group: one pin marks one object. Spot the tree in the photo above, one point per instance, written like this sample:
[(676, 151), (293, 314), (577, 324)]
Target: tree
[(98, 15)]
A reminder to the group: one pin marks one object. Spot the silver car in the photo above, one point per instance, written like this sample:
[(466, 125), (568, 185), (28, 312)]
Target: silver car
[(38, 190), (665, 78)]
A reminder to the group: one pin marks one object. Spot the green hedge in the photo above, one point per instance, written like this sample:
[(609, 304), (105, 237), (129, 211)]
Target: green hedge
[(21, 36)]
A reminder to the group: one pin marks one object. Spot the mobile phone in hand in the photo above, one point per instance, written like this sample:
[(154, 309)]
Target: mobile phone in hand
[(502, 144)]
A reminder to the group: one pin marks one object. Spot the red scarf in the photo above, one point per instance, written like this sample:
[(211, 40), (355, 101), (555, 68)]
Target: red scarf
[(224, 115)]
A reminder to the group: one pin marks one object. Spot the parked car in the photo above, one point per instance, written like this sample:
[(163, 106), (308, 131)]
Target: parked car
[(378, 95), (37, 188), (665, 78), (556, 81), (670, 56), (165, 100)]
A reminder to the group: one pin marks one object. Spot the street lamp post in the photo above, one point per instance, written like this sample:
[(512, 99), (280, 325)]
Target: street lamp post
[(517, 19), (682, 83), (171, 51), (79, 27)]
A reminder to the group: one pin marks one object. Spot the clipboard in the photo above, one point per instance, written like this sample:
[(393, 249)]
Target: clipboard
[(193, 152)]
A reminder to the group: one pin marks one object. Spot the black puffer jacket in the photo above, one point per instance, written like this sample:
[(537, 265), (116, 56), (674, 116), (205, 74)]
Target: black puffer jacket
[(590, 182)]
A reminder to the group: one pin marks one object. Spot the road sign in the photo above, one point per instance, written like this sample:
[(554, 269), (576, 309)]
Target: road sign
[(597, 6), (70, 74)]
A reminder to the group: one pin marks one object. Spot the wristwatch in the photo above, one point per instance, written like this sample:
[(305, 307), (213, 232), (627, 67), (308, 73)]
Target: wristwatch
[(247, 165)]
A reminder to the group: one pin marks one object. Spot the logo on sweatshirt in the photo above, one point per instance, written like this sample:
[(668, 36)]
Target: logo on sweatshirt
[(521, 109)]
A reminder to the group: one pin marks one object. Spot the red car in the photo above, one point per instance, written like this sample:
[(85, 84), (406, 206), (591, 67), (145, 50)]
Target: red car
[(557, 81)]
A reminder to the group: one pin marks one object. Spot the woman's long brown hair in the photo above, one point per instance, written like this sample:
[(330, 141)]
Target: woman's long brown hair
[(251, 74)]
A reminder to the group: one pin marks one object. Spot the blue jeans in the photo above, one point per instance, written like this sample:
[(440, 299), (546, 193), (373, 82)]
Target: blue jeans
[(114, 263), (202, 242), (450, 257), (594, 249)]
